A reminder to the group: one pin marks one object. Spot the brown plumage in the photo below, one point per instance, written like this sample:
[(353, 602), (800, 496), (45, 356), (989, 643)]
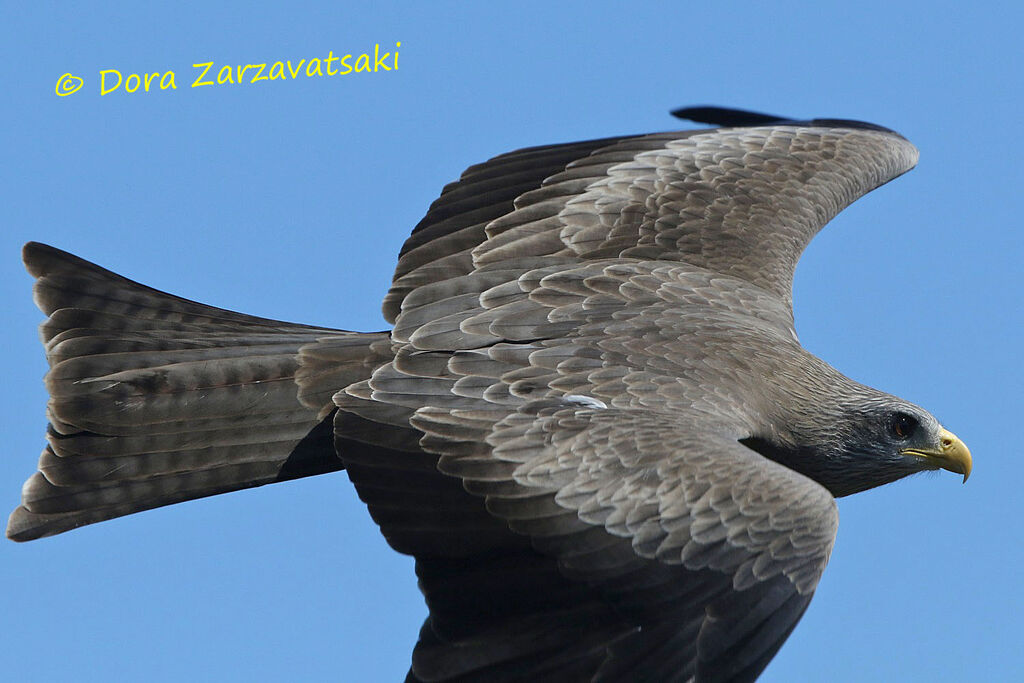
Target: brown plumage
[(592, 422)]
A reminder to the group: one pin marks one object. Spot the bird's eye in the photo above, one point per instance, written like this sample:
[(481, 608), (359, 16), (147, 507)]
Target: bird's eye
[(902, 426)]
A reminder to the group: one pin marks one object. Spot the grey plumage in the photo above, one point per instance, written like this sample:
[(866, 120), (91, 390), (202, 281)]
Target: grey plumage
[(592, 422)]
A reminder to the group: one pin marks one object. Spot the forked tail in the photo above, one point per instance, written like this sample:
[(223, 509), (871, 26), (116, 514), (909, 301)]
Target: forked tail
[(155, 399)]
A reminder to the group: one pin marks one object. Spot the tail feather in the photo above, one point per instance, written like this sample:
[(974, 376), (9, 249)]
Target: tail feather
[(155, 399), (136, 398), (66, 281), (48, 509)]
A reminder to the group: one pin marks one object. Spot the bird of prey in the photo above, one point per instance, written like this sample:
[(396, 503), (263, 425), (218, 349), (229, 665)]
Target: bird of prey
[(592, 422)]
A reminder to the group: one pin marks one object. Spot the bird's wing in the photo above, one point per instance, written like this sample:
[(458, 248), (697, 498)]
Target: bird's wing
[(440, 245), (570, 539), (706, 551), (742, 201)]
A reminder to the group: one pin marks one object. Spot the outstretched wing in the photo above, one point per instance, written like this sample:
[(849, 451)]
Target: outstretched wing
[(741, 201), (707, 553)]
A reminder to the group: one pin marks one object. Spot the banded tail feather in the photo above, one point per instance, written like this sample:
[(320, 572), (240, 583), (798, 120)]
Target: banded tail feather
[(155, 399)]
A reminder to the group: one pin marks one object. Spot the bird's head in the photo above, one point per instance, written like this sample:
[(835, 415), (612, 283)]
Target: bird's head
[(849, 438)]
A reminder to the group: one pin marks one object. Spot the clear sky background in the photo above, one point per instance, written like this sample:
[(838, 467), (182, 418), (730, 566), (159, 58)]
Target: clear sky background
[(290, 200)]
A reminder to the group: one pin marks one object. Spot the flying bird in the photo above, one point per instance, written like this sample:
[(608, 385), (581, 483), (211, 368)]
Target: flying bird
[(591, 423)]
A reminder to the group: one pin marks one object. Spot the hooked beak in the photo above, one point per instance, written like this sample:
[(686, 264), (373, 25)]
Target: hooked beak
[(952, 454)]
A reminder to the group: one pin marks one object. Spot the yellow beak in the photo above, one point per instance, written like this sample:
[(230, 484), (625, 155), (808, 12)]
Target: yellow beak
[(952, 454)]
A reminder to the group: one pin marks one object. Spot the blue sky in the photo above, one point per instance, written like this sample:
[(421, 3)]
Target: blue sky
[(290, 199)]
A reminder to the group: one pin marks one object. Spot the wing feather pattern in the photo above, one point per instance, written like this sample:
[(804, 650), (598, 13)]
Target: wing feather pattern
[(553, 427), (687, 534), (738, 201)]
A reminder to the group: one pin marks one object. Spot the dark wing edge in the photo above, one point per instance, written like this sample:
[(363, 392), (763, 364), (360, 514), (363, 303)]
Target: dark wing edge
[(727, 116)]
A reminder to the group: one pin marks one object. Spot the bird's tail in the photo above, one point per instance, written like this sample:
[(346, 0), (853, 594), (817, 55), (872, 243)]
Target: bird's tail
[(155, 399)]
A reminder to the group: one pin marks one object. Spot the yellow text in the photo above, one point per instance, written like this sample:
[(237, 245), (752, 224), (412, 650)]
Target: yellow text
[(134, 81)]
